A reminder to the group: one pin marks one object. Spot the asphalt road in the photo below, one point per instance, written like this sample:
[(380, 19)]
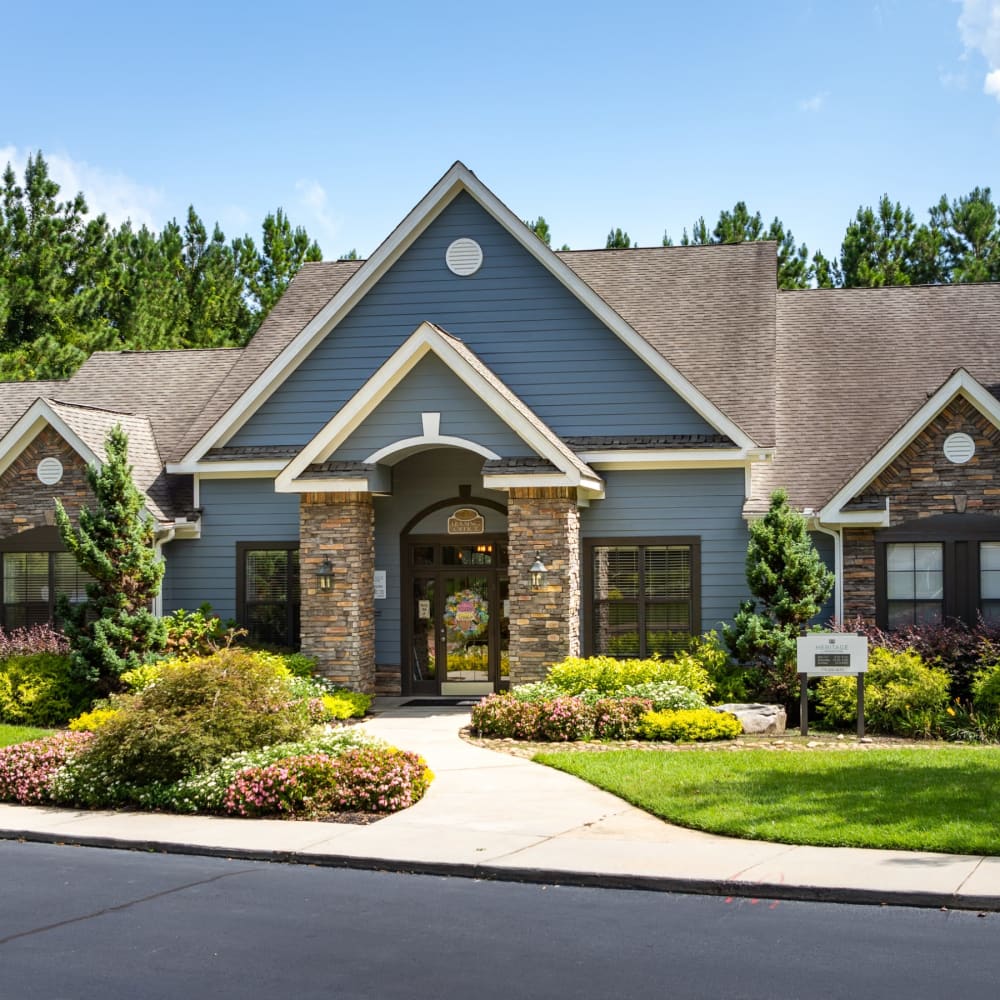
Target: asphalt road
[(81, 923)]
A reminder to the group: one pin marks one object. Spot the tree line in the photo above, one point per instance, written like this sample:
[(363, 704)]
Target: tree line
[(71, 285), (883, 245)]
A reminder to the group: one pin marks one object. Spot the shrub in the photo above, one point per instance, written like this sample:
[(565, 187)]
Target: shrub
[(664, 694), (986, 690), (27, 769), (619, 718), (730, 681), (192, 716), (608, 675), (90, 722), (40, 689), (378, 779), (196, 633), (344, 704), (504, 716), (903, 695), (206, 791), (689, 725), (36, 639), (536, 691), (563, 720), (293, 784)]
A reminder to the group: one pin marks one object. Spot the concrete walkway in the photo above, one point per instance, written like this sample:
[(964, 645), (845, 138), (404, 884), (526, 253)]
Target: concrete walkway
[(491, 815)]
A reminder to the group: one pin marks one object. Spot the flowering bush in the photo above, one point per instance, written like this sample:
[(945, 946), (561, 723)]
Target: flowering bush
[(378, 779), (293, 784), (36, 639), (663, 694), (690, 725), (27, 769), (564, 719), (504, 716), (609, 676), (619, 718), (536, 691)]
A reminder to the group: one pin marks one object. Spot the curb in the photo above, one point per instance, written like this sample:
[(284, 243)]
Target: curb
[(497, 873)]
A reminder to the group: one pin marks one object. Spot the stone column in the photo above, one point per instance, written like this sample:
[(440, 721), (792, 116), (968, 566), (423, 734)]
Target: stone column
[(338, 625), (859, 575), (544, 624)]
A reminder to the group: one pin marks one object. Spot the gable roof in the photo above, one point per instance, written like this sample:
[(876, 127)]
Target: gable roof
[(459, 178), (853, 365), (467, 366), (708, 310)]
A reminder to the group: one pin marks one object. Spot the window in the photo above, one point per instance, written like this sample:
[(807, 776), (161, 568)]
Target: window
[(31, 583), (643, 595), (942, 567), (914, 583), (267, 586)]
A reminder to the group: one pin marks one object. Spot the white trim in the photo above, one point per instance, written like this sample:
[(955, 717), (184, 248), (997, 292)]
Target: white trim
[(838, 565), (428, 441), (458, 178), (960, 383), (427, 339), (431, 424), (219, 470), (675, 458), (40, 414), (196, 491), (357, 484)]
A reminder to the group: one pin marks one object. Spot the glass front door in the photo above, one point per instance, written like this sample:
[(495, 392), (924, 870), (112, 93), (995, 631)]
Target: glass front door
[(457, 633)]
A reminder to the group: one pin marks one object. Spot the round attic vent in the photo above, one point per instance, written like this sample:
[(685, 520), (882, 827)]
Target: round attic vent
[(464, 257), (49, 471), (959, 448)]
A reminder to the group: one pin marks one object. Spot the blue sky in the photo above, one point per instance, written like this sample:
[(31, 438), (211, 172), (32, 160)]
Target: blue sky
[(633, 114)]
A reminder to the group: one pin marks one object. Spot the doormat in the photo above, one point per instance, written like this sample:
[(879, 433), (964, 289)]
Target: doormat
[(440, 703)]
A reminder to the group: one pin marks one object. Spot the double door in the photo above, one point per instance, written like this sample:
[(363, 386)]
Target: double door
[(456, 629)]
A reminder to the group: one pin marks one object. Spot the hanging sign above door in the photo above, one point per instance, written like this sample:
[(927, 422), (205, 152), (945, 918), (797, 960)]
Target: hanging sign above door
[(466, 521)]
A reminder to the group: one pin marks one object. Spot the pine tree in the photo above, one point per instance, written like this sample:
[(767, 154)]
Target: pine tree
[(787, 577), (618, 240), (114, 630)]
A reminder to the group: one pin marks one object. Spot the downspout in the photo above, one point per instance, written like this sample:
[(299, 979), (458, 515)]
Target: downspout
[(158, 544), (838, 568)]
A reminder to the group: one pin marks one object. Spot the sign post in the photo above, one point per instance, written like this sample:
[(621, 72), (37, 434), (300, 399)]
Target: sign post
[(831, 654)]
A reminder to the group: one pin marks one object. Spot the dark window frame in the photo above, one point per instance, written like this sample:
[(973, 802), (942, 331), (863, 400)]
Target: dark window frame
[(46, 541), (960, 536), (693, 542), (294, 602)]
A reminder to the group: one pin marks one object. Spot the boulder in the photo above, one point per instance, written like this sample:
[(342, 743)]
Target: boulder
[(767, 719)]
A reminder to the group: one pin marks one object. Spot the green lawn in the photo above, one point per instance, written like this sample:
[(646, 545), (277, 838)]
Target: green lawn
[(942, 799), (18, 734)]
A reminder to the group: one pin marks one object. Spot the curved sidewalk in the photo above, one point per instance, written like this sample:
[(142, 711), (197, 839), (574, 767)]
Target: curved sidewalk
[(490, 815)]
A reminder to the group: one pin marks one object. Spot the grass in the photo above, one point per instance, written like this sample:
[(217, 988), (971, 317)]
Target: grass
[(942, 799), (20, 734)]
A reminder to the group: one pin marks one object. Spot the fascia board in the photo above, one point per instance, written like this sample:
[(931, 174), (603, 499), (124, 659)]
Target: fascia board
[(457, 178), (858, 519), (222, 470), (27, 428), (667, 459), (960, 383), (360, 485)]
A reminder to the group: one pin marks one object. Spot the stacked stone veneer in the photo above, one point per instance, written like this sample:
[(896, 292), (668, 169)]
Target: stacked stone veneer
[(922, 483), (544, 624), (26, 503), (338, 625)]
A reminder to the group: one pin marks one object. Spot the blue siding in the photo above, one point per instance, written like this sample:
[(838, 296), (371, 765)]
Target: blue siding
[(545, 345), (233, 510), (419, 482), (824, 545), (707, 503), (431, 387)]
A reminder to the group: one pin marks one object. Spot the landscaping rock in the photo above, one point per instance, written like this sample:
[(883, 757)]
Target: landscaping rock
[(767, 719)]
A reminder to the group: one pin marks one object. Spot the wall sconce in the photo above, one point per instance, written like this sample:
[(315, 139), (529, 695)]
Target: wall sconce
[(538, 571), (325, 574)]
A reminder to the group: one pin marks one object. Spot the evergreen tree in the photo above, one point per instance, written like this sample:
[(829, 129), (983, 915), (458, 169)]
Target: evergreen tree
[(540, 228), (114, 630), (789, 581), (618, 240), (970, 236)]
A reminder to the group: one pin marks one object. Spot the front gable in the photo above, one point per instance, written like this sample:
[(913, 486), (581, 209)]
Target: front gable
[(545, 332), (944, 459)]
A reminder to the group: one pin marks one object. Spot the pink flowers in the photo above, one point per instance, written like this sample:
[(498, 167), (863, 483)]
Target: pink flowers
[(365, 779), (27, 769)]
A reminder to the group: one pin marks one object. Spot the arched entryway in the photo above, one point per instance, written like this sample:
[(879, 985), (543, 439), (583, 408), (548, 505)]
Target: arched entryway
[(455, 601)]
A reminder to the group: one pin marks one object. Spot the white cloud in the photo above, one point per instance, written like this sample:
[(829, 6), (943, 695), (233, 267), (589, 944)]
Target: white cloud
[(979, 27), (106, 191), (814, 104), (325, 225)]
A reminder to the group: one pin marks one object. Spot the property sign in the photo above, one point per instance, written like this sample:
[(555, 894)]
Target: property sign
[(380, 585), (466, 521), (825, 654)]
